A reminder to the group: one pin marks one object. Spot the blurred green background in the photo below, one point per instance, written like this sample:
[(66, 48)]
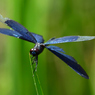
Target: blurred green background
[(50, 18)]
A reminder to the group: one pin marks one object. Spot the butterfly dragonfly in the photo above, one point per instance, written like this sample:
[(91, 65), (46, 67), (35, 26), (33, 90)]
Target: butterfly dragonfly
[(19, 31)]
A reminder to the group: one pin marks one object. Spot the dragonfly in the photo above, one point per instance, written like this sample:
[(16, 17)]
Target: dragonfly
[(18, 31)]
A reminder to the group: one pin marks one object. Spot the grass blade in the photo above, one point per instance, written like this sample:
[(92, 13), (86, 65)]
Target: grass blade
[(35, 78)]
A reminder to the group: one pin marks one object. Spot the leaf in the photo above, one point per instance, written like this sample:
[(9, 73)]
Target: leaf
[(36, 78)]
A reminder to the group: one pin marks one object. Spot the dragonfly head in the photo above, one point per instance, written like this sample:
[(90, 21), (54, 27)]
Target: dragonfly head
[(33, 51), (38, 48)]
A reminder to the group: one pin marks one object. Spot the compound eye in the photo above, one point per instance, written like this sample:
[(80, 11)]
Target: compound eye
[(33, 52)]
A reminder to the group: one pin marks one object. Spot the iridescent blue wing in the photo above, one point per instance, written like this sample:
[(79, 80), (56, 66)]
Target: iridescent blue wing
[(19, 28), (18, 35), (55, 48), (69, 39), (68, 60), (12, 33), (38, 37)]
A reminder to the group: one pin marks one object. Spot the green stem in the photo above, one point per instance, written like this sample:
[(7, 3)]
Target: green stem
[(35, 78)]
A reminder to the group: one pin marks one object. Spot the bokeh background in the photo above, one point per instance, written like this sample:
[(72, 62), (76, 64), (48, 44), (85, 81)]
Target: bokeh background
[(50, 18)]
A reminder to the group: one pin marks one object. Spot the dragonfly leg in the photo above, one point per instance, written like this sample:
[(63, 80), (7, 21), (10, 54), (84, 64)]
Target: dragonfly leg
[(34, 60)]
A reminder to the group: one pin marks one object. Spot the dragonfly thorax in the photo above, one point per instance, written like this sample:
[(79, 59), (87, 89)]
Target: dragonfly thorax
[(38, 48)]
